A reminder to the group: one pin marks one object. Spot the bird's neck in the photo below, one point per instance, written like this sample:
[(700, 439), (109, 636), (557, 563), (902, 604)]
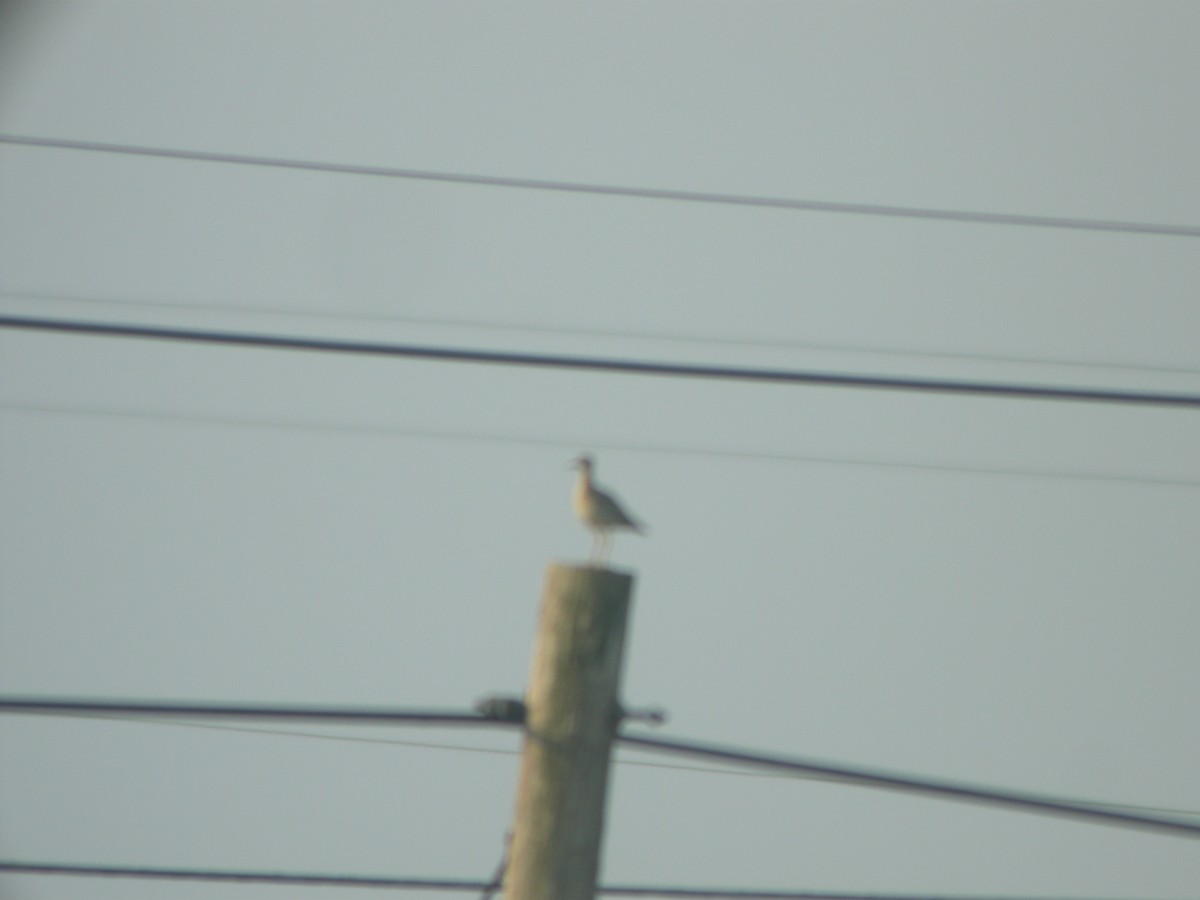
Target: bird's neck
[(583, 487)]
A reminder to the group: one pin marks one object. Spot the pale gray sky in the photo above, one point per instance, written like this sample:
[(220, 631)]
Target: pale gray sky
[(1000, 591)]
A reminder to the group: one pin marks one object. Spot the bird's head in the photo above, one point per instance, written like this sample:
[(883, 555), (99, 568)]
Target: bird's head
[(582, 463)]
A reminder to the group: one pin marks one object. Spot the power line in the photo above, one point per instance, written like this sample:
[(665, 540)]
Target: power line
[(179, 874), (598, 364), (587, 332), (833, 771), (752, 894), (1037, 803), (447, 884), (344, 714), (576, 187), (497, 880), (660, 449), (427, 745), (620, 761), (338, 738), (422, 745)]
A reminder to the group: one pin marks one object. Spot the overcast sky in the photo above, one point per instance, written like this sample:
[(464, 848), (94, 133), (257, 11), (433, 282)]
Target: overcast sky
[(1001, 591)]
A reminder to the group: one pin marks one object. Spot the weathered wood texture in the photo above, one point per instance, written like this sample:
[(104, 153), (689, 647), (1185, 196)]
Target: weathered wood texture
[(573, 711)]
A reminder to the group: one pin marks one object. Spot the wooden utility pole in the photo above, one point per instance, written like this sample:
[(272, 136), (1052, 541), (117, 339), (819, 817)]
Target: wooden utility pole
[(572, 712)]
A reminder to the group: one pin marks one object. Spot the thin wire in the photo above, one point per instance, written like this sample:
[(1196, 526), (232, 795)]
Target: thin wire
[(497, 880), (752, 894), (820, 206), (427, 745), (311, 735), (446, 884), (608, 365), (376, 716), (355, 715), (173, 874), (1025, 802), (660, 449), (665, 336), (620, 761)]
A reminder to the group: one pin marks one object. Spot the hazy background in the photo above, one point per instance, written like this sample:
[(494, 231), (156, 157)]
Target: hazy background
[(1000, 591)]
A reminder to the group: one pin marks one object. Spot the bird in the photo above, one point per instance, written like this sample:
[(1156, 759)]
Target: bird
[(599, 510)]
